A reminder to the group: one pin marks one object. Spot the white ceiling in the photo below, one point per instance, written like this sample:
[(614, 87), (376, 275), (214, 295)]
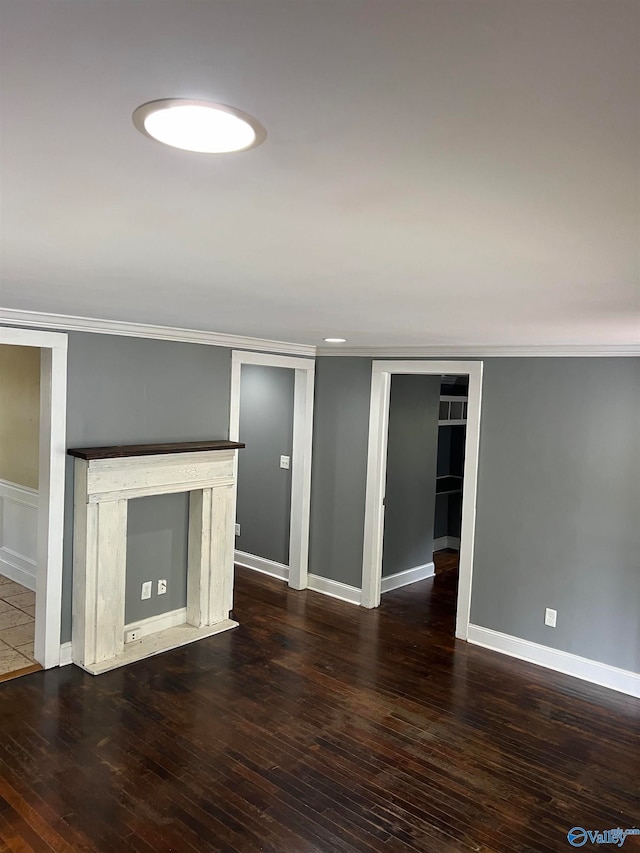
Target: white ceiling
[(452, 172)]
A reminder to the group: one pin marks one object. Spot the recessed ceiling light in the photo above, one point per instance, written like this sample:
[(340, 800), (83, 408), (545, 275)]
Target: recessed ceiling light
[(335, 340), (200, 126)]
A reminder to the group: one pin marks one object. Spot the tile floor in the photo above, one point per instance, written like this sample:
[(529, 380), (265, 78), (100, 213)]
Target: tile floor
[(17, 626)]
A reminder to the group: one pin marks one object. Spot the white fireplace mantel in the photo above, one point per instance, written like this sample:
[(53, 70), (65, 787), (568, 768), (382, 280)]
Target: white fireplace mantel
[(106, 478)]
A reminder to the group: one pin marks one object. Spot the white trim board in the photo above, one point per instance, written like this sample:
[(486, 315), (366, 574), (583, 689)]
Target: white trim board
[(588, 670), (68, 322), (66, 654), (160, 622), (304, 369), (325, 586), (381, 373), (13, 568), (53, 443), (487, 351), (335, 589), (407, 577), (18, 533), (145, 627), (262, 565), (159, 642)]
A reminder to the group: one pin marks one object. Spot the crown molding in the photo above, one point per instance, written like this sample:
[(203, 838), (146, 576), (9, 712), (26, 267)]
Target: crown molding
[(488, 351), (68, 322)]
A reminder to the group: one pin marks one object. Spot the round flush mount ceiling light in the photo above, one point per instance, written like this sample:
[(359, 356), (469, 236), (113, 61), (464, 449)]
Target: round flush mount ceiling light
[(335, 340), (200, 126)]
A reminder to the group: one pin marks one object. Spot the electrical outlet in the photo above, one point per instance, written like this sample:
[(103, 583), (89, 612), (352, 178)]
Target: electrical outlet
[(237, 529), (162, 587), (550, 617), (147, 588), (285, 462), (132, 635)]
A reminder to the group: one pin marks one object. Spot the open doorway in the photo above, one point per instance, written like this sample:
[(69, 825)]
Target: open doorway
[(452, 431), (410, 488), (32, 515), (272, 413), (378, 482), (19, 461), (424, 479)]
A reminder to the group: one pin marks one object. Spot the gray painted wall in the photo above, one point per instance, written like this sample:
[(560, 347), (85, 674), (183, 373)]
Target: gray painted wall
[(157, 530), (559, 505), (559, 480), (129, 390), (341, 424), (411, 473), (558, 499), (264, 489)]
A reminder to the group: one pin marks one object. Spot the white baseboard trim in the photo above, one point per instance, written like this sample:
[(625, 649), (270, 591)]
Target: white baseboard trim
[(261, 564), (408, 576), (316, 583), (335, 589), (446, 542), (18, 533), (588, 670), (153, 624), (10, 569), (66, 655)]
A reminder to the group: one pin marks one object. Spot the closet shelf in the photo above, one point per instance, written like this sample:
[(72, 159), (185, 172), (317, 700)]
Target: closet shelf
[(453, 411)]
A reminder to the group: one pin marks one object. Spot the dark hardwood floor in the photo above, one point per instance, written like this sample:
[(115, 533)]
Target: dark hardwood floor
[(317, 726), (446, 560)]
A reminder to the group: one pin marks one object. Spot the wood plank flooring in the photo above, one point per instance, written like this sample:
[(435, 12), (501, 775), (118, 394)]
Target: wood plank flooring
[(446, 560), (317, 726)]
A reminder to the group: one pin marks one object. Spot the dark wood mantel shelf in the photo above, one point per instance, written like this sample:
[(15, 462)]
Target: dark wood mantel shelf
[(118, 451)]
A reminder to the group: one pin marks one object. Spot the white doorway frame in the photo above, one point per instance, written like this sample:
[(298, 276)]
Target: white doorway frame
[(382, 371), (301, 454), (53, 418)]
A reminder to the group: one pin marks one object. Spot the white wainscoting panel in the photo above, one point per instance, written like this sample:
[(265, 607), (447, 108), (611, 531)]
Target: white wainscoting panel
[(588, 670), (18, 533)]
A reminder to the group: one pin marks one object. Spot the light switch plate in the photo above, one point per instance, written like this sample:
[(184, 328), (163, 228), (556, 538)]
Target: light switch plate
[(146, 590), (285, 462)]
